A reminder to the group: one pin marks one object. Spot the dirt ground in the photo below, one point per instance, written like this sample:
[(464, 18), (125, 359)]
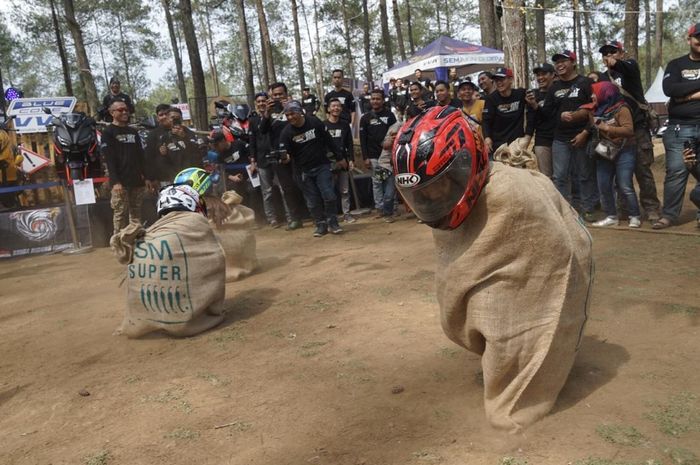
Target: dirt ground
[(304, 367)]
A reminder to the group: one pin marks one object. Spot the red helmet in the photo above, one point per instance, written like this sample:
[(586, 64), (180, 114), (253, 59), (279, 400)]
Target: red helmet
[(440, 166)]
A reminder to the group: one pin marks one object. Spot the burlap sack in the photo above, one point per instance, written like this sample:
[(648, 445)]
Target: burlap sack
[(513, 155), (236, 237), (175, 277), (513, 283)]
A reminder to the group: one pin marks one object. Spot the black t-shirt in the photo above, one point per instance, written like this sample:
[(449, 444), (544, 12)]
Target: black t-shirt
[(505, 118), (123, 151), (259, 142), (308, 144), (365, 106), (342, 137), (543, 127), (567, 96), (273, 127), (682, 77), (626, 74), (346, 99), (373, 128), (310, 104), (182, 153)]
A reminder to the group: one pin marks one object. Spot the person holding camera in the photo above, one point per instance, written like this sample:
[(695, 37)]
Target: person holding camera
[(306, 141), (271, 125)]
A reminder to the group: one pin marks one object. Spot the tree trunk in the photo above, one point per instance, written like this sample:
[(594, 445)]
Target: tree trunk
[(397, 26), (266, 44), (540, 33), (314, 57), (587, 32), (102, 53), (61, 51), (487, 20), (448, 24), (319, 62), (514, 42), (437, 13), (245, 51), (411, 44), (386, 37), (658, 60), (350, 65), (211, 51), (297, 45), (647, 42), (125, 59), (182, 88), (497, 26), (82, 58), (579, 35), (365, 33), (631, 40), (199, 109)]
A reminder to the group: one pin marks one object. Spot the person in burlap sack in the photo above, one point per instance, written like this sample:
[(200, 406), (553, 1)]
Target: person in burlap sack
[(235, 234), (175, 273), (514, 263)]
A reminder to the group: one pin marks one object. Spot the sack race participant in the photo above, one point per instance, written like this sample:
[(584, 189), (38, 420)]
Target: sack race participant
[(175, 273), (235, 234), (514, 264)]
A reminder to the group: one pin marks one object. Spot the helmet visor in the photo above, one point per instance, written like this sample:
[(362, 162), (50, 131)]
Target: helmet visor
[(436, 198)]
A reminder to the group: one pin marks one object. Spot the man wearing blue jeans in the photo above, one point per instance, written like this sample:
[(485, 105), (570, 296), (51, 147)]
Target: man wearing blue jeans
[(570, 162), (682, 84), (306, 140)]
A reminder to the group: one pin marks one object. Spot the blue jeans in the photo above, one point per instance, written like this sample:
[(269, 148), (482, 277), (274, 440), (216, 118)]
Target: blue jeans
[(619, 171), (573, 163), (676, 173), (319, 192), (389, 196)]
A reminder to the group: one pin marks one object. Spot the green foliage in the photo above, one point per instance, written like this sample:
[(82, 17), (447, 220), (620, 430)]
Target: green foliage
[(618, 434), (680, 415)]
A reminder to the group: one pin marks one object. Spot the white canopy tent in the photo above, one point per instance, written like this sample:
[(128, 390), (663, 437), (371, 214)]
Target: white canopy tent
[(655, 94)]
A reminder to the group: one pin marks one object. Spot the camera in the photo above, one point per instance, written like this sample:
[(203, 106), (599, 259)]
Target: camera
[(692, 144), (277, 107), (177, 121)]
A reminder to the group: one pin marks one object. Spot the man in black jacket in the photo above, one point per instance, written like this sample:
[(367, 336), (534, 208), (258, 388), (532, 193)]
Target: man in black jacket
[(307, 142), (373, 128), (625, 73), (542, 127), (342, 137), (115, 94), (344, 95), (123, 151)]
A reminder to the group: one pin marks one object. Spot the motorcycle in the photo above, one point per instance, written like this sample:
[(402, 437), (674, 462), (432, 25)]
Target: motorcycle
[(75, 146)]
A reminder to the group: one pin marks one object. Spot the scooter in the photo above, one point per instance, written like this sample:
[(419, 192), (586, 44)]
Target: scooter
[(75, 145)]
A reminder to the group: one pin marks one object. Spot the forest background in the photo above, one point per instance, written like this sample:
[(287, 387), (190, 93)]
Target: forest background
[(190, 50)]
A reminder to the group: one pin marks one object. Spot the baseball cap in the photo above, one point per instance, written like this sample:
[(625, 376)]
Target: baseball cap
[(293, 106), (616, 44), (694, 30), (567, 54), (467, 82), (543, 67), (503, 72)]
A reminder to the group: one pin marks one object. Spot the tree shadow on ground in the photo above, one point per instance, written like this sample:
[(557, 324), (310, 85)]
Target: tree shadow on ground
[(596, 364)]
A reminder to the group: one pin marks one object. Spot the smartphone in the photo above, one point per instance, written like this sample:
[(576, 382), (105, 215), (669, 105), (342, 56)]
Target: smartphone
[(277, 107), (177, 121)]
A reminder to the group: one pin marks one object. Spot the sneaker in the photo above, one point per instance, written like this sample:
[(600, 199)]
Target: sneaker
[(635, 222), (388, 219), (321, 230), (589, 217), (274, 224), (335, 228), (292, 225), (606, 222), (348, 218)]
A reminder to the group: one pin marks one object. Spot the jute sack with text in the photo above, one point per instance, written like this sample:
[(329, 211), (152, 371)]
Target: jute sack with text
[(513, 284), (175, 276), (236, 237)]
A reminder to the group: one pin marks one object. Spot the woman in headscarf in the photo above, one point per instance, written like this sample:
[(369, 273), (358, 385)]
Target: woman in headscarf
[(616, 152)]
